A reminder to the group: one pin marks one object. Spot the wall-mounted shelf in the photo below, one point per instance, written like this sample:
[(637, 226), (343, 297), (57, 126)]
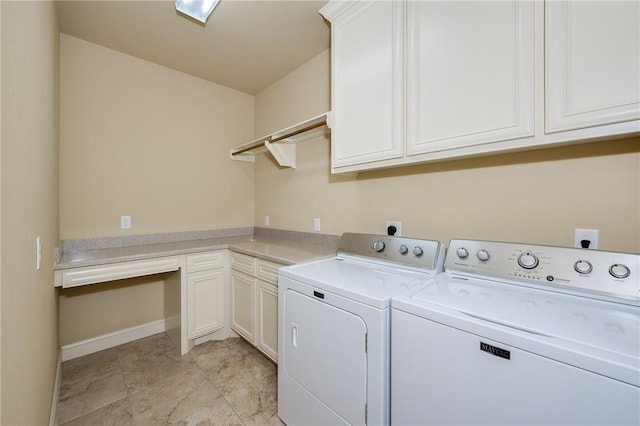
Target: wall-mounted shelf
[(281, 144)]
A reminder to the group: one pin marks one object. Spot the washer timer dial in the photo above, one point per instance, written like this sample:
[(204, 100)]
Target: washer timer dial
[(378, 246), (528, 260)]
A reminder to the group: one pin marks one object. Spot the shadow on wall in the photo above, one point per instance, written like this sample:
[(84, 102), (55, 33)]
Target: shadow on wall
[(585, 150)]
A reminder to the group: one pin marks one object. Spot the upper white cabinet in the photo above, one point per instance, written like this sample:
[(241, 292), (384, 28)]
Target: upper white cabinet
[(418, 81), (367, 86), (592, 63), (470, 74)]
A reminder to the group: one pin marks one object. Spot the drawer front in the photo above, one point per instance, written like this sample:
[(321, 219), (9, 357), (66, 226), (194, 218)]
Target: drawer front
[(267, 271), (243, 263), (205, 261)]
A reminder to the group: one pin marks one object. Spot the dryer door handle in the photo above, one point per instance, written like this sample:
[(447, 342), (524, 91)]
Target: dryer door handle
[(294, 335)]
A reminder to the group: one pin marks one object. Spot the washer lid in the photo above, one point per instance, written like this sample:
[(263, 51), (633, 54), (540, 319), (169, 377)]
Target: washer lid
[(367, 282), (606, 331)]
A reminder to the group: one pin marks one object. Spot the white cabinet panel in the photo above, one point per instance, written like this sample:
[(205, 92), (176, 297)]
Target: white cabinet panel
[(268, 320), (470, 73), (592, 63), (242, 305), (205, 299), (367, 82)]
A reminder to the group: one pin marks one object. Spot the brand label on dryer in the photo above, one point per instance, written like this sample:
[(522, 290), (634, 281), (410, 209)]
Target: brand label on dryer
[(494, 350)]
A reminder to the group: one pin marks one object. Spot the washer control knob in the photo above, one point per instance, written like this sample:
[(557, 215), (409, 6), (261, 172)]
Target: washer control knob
[(483, 255), (378, 246), (417, 250), (462, 253), (583, 267), (527, 260), (619, 271), (403, 249)]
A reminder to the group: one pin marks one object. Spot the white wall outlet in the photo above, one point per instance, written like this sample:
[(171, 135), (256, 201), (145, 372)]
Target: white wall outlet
[(395, 223), (316, 224), (266, 221), (125, 222), (590, 235)]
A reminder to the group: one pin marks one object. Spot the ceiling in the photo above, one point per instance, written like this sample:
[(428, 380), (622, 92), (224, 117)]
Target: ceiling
[(246, 44)]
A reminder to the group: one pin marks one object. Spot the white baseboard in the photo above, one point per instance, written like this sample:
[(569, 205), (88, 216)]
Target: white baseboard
[(109, 340), (56, 392)]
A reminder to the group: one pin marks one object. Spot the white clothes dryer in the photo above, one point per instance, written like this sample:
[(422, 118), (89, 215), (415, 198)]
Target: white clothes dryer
[(333, 341)]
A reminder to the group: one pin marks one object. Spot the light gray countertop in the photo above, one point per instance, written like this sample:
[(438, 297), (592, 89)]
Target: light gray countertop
[(285, 247)]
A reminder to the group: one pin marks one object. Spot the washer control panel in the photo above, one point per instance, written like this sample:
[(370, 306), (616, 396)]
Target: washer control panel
[(600, 274), (414, 252)]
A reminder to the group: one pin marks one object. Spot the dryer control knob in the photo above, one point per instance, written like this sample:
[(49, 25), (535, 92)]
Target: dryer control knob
[(483, 255), (462, 253), (417, 250), (527, 260), (378, 246), (583, 267), (619, 271), (403, 249)]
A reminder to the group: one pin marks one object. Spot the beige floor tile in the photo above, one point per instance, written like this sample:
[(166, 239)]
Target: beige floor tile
[(85, 395), (156, 368), (115, 414), (172, 400), (89, 365), (217, 413), (158, 343)]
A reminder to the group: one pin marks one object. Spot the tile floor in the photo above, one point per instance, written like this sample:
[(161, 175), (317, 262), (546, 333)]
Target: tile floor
[(147, 382)]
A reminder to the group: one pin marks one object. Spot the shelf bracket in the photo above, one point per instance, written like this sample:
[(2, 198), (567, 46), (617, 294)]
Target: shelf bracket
[(284, 153)]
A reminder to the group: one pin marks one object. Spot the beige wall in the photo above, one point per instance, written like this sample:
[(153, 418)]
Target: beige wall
[(29, 179), (143, 140), (146, 141), (537, 196)]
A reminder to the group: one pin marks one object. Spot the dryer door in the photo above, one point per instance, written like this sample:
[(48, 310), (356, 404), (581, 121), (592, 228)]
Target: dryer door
[(324, 351)]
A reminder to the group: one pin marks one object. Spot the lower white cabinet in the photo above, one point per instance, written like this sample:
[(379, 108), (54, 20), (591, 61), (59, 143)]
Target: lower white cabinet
[(254, 302), (206, 302)]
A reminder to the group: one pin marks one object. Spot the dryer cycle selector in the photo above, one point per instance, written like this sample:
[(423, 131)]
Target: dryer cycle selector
[(619, 271), (403, 249), (462, 253), (378, 246), (483, 255), (528, 260), (417, 251)]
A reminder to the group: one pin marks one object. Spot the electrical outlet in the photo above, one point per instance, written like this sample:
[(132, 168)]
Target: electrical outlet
[(125, 222), (316, 224), (395, 223), (266, 221), (590, 235)]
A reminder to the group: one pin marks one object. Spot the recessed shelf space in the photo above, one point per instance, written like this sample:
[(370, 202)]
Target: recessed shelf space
[(281, 144)]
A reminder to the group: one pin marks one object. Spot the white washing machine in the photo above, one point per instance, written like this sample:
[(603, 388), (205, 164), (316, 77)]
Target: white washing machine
[(333, 340), (516, 334)]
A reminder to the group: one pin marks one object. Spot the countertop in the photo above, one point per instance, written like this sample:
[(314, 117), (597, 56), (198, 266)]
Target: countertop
[(284, 247)]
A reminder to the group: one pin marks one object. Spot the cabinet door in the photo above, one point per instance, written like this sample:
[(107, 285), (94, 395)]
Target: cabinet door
[(367, 82), (592, 63), (205, 301), (242, 305), (470, 78), (268, 320)]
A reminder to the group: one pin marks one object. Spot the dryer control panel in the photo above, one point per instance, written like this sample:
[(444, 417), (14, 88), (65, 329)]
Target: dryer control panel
[(593, 273)]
